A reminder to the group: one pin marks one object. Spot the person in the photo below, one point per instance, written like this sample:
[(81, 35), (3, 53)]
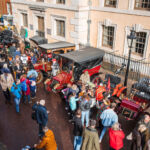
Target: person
[(33, 88), (116, 136), (85, 78), (77, 131), (16, 91), (90, 139), (33, 58), (6, 81), (108, 118), (99, 93), (41, 115), (55, 67), (48, 141), (73, 104), (18, 69), (24, 59), (12, 50), (17, 53), (85, 109), (140, 137), (25, 86), (32, 74)]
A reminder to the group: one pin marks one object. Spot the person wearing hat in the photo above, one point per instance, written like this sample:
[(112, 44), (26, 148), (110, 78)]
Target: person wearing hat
[(41, 114), (108, 118), (55, 67), (90, 137), (6, 81)]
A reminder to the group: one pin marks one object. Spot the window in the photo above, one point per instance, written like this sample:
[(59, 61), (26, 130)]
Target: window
[(40, 0), (142, 4), (139, 45), (60, 1), (41, 27), (25, 20), (60, 28), (108, 36), (110, 3), (8, 8)]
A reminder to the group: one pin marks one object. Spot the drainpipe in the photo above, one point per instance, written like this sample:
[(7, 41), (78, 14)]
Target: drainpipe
[(89, 22)]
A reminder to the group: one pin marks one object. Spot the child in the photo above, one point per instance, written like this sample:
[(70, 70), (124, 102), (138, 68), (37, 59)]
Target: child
[(33, 88), (73, 104)]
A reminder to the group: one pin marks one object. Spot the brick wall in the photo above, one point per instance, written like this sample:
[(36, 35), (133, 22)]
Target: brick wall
[(3, 6)]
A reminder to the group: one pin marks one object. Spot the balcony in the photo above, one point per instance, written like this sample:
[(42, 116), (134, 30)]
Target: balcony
[(40, 33)]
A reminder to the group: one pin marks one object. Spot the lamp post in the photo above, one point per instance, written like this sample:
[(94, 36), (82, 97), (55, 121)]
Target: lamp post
[(130, 39)]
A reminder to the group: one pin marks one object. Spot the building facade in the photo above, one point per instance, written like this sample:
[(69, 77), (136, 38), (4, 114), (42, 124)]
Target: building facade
[(104, 24), (5, 7)]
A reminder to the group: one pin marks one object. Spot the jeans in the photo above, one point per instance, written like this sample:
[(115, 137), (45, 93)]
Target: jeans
[(85, 116), (41, 133), (32, 93), (103, 133), (77, 142), (17, 102), (24, 98)]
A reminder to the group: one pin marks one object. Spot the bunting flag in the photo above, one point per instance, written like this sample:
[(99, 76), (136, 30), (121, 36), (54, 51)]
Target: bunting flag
[(108, 84)]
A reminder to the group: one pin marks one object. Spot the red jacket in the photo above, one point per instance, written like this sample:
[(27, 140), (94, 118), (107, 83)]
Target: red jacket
[(116, 139)]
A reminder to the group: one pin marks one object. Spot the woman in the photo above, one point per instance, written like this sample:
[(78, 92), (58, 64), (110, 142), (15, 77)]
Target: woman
[(116, 136), (16, 91), (85, 109)]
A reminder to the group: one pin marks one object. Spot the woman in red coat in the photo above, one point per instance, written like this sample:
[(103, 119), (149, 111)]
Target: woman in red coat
[(116, 136)]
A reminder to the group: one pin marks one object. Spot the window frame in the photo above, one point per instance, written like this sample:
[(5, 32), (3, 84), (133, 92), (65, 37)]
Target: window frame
[(25, 25), (62, 32), (104, 45), (63, 2), (140, 8), (137, 42), (40, 1), (54, 27), (105, 5)]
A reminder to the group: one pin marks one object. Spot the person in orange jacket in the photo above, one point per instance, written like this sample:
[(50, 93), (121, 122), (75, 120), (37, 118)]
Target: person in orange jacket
[(48, 141), (99, 92)]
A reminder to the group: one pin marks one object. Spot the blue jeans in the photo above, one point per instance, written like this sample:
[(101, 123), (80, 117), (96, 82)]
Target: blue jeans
[(17, 102), (85, 116), (77, 142), (103, 133), (32, 93), (24, 98)]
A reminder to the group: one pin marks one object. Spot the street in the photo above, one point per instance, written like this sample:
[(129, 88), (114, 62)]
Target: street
[(18, 131)]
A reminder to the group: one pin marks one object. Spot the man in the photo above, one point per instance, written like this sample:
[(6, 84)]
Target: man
[(48, 141), (41, 114), (55, 67), (6, 81), (78, 128), (108, 118), (90, 137)]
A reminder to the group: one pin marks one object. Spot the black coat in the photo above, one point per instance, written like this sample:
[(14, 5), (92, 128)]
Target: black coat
[(41, 114), (77, 127)]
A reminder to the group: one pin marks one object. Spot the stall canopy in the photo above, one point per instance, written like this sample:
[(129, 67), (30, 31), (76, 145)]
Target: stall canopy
[(56, 45), (85, 55), (39, 40)]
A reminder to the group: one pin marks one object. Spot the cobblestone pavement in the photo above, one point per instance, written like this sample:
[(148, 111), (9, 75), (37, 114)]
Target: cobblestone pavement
[(16, 131)]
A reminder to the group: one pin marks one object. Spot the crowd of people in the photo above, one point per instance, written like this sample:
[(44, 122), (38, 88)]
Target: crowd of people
[(80, 98)]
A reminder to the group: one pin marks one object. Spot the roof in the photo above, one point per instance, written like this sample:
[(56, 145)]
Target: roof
[(56, 45), (38, 39), (84, 55)]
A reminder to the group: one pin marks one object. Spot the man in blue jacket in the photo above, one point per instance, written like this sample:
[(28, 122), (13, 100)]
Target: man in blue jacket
[(41, 114)]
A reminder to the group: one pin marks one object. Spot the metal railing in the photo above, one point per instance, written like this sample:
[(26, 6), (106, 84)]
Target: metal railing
[(137, 70)]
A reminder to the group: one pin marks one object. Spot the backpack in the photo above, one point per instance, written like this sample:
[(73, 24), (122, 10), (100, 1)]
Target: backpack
[(24, 86)]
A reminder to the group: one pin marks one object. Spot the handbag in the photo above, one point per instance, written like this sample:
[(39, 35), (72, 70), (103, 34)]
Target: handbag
[(33, 115), (129, 137)]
